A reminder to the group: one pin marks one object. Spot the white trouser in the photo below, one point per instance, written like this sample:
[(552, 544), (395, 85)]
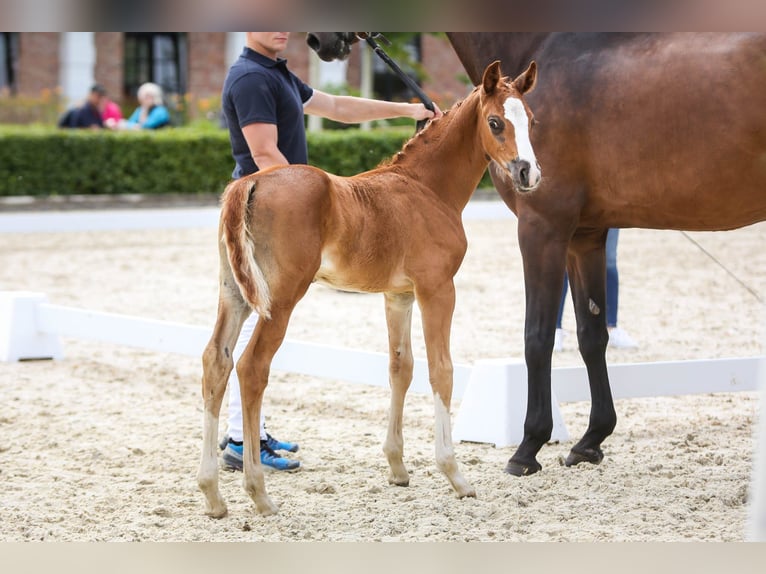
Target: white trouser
[(235, 400)]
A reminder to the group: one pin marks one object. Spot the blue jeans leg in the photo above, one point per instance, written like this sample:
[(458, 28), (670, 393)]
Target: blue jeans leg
[(612, 278)]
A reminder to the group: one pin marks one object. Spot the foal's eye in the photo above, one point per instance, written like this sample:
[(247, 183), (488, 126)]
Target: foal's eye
[(496, 124)]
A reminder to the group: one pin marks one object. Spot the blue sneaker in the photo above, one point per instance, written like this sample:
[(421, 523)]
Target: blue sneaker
[(232, 457), (275, 444), (272, 459)]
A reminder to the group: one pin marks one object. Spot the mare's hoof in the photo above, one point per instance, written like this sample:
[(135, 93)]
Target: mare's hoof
[(592, 455), (520, 469)]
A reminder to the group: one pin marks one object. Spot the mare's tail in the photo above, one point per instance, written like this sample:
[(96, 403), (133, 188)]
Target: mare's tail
[(240, 245)]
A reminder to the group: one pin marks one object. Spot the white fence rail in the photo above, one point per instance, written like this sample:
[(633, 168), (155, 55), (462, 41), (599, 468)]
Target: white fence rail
[(492, 392)]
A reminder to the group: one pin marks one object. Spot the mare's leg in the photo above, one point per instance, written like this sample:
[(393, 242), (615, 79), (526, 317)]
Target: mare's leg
[(217, 363), (543, 250), (253, 370), (437, 307), (588, 272), (399, 321)]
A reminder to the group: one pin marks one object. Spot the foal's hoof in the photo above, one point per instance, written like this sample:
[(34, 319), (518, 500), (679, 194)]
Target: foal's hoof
[(266, 508), (217, 512), (470, 492), (521, 469), (399, 481), (592, 455)]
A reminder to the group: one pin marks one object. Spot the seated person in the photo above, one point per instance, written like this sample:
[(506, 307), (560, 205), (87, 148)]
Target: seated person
[(151, 112), (89, 114), (111, 114)]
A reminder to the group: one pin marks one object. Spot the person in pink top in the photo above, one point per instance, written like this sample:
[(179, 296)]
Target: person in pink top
[(111, 114)]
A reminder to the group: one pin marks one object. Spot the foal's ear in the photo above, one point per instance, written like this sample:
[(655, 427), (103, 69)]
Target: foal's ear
[(491, 77), (527, 80)]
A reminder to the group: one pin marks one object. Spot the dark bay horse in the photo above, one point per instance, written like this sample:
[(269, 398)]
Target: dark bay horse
[(395, 230), (662, 131)]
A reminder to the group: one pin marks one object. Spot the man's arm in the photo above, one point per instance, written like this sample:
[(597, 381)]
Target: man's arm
[(352, 110), (262, 141)]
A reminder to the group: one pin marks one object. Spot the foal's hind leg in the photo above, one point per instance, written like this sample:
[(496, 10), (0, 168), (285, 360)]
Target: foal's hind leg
[(217, 363), (437, 308), (399, 320), (253, 372)]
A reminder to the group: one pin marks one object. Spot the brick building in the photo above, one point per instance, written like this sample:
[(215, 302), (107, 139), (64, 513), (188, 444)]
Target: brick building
[(190, 63)]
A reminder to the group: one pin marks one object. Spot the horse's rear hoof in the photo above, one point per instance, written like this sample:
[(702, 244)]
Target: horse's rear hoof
[(399, 481), (470, 493), (591, 455), (521, 469), (397, 472), (267, 508), (218, 512)]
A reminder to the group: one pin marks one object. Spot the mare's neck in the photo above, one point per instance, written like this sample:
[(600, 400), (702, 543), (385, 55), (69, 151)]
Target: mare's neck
[(476, 50), (447, 156)]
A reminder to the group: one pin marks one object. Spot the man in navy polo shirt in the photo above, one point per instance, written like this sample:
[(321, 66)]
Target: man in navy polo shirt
[(264, 104)]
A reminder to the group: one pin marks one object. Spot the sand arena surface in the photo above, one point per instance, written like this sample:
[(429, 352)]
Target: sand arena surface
[(104, 445)]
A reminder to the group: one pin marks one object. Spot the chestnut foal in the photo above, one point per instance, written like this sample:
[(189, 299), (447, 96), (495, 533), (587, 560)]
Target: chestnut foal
[(395, 230)]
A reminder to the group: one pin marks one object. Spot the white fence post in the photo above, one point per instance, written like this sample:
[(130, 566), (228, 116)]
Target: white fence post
[(20, 334), (494, 405)]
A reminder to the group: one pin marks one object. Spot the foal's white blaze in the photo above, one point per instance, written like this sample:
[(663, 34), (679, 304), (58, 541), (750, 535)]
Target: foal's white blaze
[(517, 115)]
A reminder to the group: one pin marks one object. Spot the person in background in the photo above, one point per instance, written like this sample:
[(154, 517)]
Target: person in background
[(89, 114), (151, 114), (618, 337), (264, 105), (111, 114)]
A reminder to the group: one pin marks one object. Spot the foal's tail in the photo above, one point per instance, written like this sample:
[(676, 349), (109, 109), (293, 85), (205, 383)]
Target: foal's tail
[(240, 245)]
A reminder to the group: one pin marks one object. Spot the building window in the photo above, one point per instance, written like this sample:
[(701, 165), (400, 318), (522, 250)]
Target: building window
[(9, 52), (386, 84), (159, 58)]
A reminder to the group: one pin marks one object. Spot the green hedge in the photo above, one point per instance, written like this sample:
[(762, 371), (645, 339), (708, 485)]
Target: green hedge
[(45, 161)]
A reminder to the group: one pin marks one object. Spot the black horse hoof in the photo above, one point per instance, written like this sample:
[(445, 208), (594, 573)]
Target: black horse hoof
[(519, 469), (592, 455)]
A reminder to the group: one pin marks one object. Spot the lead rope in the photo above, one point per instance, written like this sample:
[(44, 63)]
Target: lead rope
[(752, 291), (369, 37)]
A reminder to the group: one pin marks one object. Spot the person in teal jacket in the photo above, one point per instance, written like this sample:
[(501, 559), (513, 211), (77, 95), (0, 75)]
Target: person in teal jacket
[(151, 113)]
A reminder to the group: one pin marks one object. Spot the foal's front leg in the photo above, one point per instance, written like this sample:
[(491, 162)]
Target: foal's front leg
[(437, 308), (399, 321)]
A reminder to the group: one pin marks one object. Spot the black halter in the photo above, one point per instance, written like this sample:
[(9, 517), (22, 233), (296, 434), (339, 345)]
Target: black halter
[(369, 37)]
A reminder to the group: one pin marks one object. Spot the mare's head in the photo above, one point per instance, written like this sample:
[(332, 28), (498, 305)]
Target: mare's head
[(331, 46), (507, 123)]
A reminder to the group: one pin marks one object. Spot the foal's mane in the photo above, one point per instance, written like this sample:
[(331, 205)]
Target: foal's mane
[(433, 131)]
